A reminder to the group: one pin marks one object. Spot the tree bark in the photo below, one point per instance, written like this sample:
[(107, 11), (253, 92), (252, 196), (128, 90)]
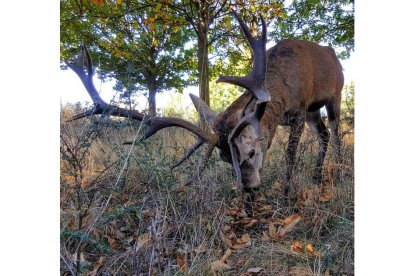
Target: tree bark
[(203, 68), (152, 104), (152, 92)]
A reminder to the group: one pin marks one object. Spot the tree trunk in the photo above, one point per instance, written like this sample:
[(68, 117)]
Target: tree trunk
[(203, 68), (152, 105)]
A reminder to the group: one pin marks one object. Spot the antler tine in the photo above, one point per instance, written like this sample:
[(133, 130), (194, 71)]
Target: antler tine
[(87, 79), (188, 153), (255, 80), (202, 164)]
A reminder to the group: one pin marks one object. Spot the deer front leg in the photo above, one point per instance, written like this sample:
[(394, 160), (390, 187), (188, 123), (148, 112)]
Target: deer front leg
[(296, 129), (318, 127)]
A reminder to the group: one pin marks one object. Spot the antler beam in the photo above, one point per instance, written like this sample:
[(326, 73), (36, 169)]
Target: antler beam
[(255, 81), (101, 107)]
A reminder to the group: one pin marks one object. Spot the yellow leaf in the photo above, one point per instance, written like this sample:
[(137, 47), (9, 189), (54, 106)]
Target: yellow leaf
[(219, 265), (182, 264), (158, 7), (309, 249), (118, 1)]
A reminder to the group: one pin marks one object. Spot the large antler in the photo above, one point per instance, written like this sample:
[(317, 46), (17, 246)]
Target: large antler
[(154, 124), (254, 82)]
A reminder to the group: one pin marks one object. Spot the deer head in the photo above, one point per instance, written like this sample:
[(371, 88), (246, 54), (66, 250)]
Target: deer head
[(240, 138), (236, 131)]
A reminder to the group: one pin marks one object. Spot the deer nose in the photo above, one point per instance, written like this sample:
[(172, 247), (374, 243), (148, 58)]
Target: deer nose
[(252, 181), (251, 153)]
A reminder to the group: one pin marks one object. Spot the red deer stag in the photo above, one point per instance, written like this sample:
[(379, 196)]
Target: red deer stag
[(287, 85)]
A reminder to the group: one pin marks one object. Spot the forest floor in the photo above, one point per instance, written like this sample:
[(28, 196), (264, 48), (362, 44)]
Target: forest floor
[(124, 212)]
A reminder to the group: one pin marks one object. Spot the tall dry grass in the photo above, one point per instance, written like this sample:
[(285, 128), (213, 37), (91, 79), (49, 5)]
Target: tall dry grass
[(124, 212)]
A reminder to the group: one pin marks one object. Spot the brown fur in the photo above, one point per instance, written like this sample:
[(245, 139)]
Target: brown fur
[(301, 78)]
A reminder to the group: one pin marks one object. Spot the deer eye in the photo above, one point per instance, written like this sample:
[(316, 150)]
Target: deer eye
[(251, 153)]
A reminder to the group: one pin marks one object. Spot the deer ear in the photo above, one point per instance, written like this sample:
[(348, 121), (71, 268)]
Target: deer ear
[(205, 112)]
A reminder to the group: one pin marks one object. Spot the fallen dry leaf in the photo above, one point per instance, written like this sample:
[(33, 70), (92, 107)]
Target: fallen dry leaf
[(278, 185), (226, 228), (265, 208), (260, 198), (98, 266), (242, 243), (142, 240), (182, 264), (226, 255), (309, 248), (297, 246), (272, 231), (228, 242), (219, 265), (204, 221), (265, 236), (288, 224), (182, 189), (112, 242), (309, 197), (232, 211), (251, 223), (242, 261), (255, 270), (200, 249), (245, 238), (325, 198), (246, 222)]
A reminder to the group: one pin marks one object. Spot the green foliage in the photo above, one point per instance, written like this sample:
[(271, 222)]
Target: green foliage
[(348, 104), (232, 55), (223, 94), (329, 22), (142, 45), (175, 108), (155, 46)]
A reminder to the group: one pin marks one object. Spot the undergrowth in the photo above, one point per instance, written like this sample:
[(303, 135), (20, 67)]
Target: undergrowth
[(124, 212)]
